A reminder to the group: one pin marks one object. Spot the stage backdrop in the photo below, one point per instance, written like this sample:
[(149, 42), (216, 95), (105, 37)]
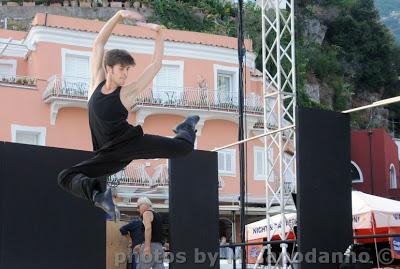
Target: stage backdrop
[(41, 226), (194, 214)]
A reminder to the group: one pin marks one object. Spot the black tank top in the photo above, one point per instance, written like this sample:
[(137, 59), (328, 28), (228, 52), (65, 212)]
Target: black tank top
[(157, 235), (108, 119)]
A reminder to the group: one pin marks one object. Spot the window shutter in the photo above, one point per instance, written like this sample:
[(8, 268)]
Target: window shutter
[(6, 69), (27, 138), (77, 66)]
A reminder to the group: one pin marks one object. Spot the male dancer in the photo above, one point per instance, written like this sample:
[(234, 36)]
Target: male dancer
[(115, 142)]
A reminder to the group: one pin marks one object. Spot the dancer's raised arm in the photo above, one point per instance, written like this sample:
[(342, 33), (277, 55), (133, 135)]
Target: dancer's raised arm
[(96, 61), (147, 76)]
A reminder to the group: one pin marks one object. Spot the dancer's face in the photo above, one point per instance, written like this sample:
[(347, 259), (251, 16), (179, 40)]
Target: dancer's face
[(119, 73)]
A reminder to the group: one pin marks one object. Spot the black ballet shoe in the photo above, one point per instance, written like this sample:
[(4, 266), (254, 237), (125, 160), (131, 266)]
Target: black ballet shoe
[(104, 201), (188, 124)]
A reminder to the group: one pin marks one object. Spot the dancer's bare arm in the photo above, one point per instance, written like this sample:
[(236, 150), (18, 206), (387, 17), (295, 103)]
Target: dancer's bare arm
[(147, 220), (131, 90), (96, 61)]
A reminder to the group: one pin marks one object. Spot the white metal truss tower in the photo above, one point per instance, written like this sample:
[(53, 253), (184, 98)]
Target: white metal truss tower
[(279, 84)]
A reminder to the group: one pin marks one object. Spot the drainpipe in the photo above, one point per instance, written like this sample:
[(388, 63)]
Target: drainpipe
[(371, 162)]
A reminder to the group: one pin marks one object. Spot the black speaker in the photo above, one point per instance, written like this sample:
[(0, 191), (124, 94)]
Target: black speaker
[(193, 209), (323, 186), (41, 226)]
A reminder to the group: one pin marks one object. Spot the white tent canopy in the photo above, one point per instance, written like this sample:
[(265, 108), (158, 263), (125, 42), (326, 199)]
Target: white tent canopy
[(365, 207), (386, 212)]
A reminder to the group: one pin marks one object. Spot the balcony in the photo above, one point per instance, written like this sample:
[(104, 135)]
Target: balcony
[(137, 176), (66, 88), (196, 98), (66, 91), (15, 81)]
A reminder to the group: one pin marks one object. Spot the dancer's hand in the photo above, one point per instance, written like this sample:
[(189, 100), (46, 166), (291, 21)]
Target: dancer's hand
[(136, 249), (146, 251), (128, 14), (151, 26)]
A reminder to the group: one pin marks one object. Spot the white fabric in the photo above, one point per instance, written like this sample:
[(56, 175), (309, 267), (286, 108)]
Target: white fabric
[(258, 229), (385, 211)]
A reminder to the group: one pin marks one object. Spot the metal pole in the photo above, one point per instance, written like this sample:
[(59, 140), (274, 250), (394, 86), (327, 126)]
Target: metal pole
[(241, 135)]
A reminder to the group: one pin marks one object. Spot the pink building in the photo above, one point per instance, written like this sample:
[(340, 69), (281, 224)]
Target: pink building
[(44, 78)]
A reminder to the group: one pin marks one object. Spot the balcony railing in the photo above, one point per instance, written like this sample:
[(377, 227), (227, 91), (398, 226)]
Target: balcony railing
[(75, 88), (66, 87), (136, 175), (196, 98), (24, 81)]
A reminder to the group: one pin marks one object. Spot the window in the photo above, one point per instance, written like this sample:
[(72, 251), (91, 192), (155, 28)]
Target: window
[(259, 164), (224, 88), (168, 83), (76, 66), (225, 85), (356, 173), (397, 141), (28, 135), (75, 72), (226, 161), (8, 68), (393, 178)]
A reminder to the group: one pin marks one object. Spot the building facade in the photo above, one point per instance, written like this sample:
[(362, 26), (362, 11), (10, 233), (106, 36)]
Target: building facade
[(375, 163)]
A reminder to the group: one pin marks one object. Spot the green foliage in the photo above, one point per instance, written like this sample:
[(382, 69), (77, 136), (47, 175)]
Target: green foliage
[(305, 101), (343, 92), (365, 43), (323, 61), (200, 16)]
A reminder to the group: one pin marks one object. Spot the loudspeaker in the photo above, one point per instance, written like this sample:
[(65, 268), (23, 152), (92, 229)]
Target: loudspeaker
[(323, 186), (193, 209)]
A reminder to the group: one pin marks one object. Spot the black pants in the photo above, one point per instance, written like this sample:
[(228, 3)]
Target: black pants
[(85, 177)]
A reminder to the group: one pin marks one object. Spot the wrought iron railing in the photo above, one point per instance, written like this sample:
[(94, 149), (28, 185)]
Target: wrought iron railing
[(66, 87), (136, 175), (196, 98)]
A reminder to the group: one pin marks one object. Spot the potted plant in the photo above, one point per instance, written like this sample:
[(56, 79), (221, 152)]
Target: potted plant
[(128, 4), (12, 3), (85, 3), (116, 4), (56, 3), (40, 2), (135, 4), (27, 3)]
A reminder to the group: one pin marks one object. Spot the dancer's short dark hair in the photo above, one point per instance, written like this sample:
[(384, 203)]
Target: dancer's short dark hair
[(118, 56)]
